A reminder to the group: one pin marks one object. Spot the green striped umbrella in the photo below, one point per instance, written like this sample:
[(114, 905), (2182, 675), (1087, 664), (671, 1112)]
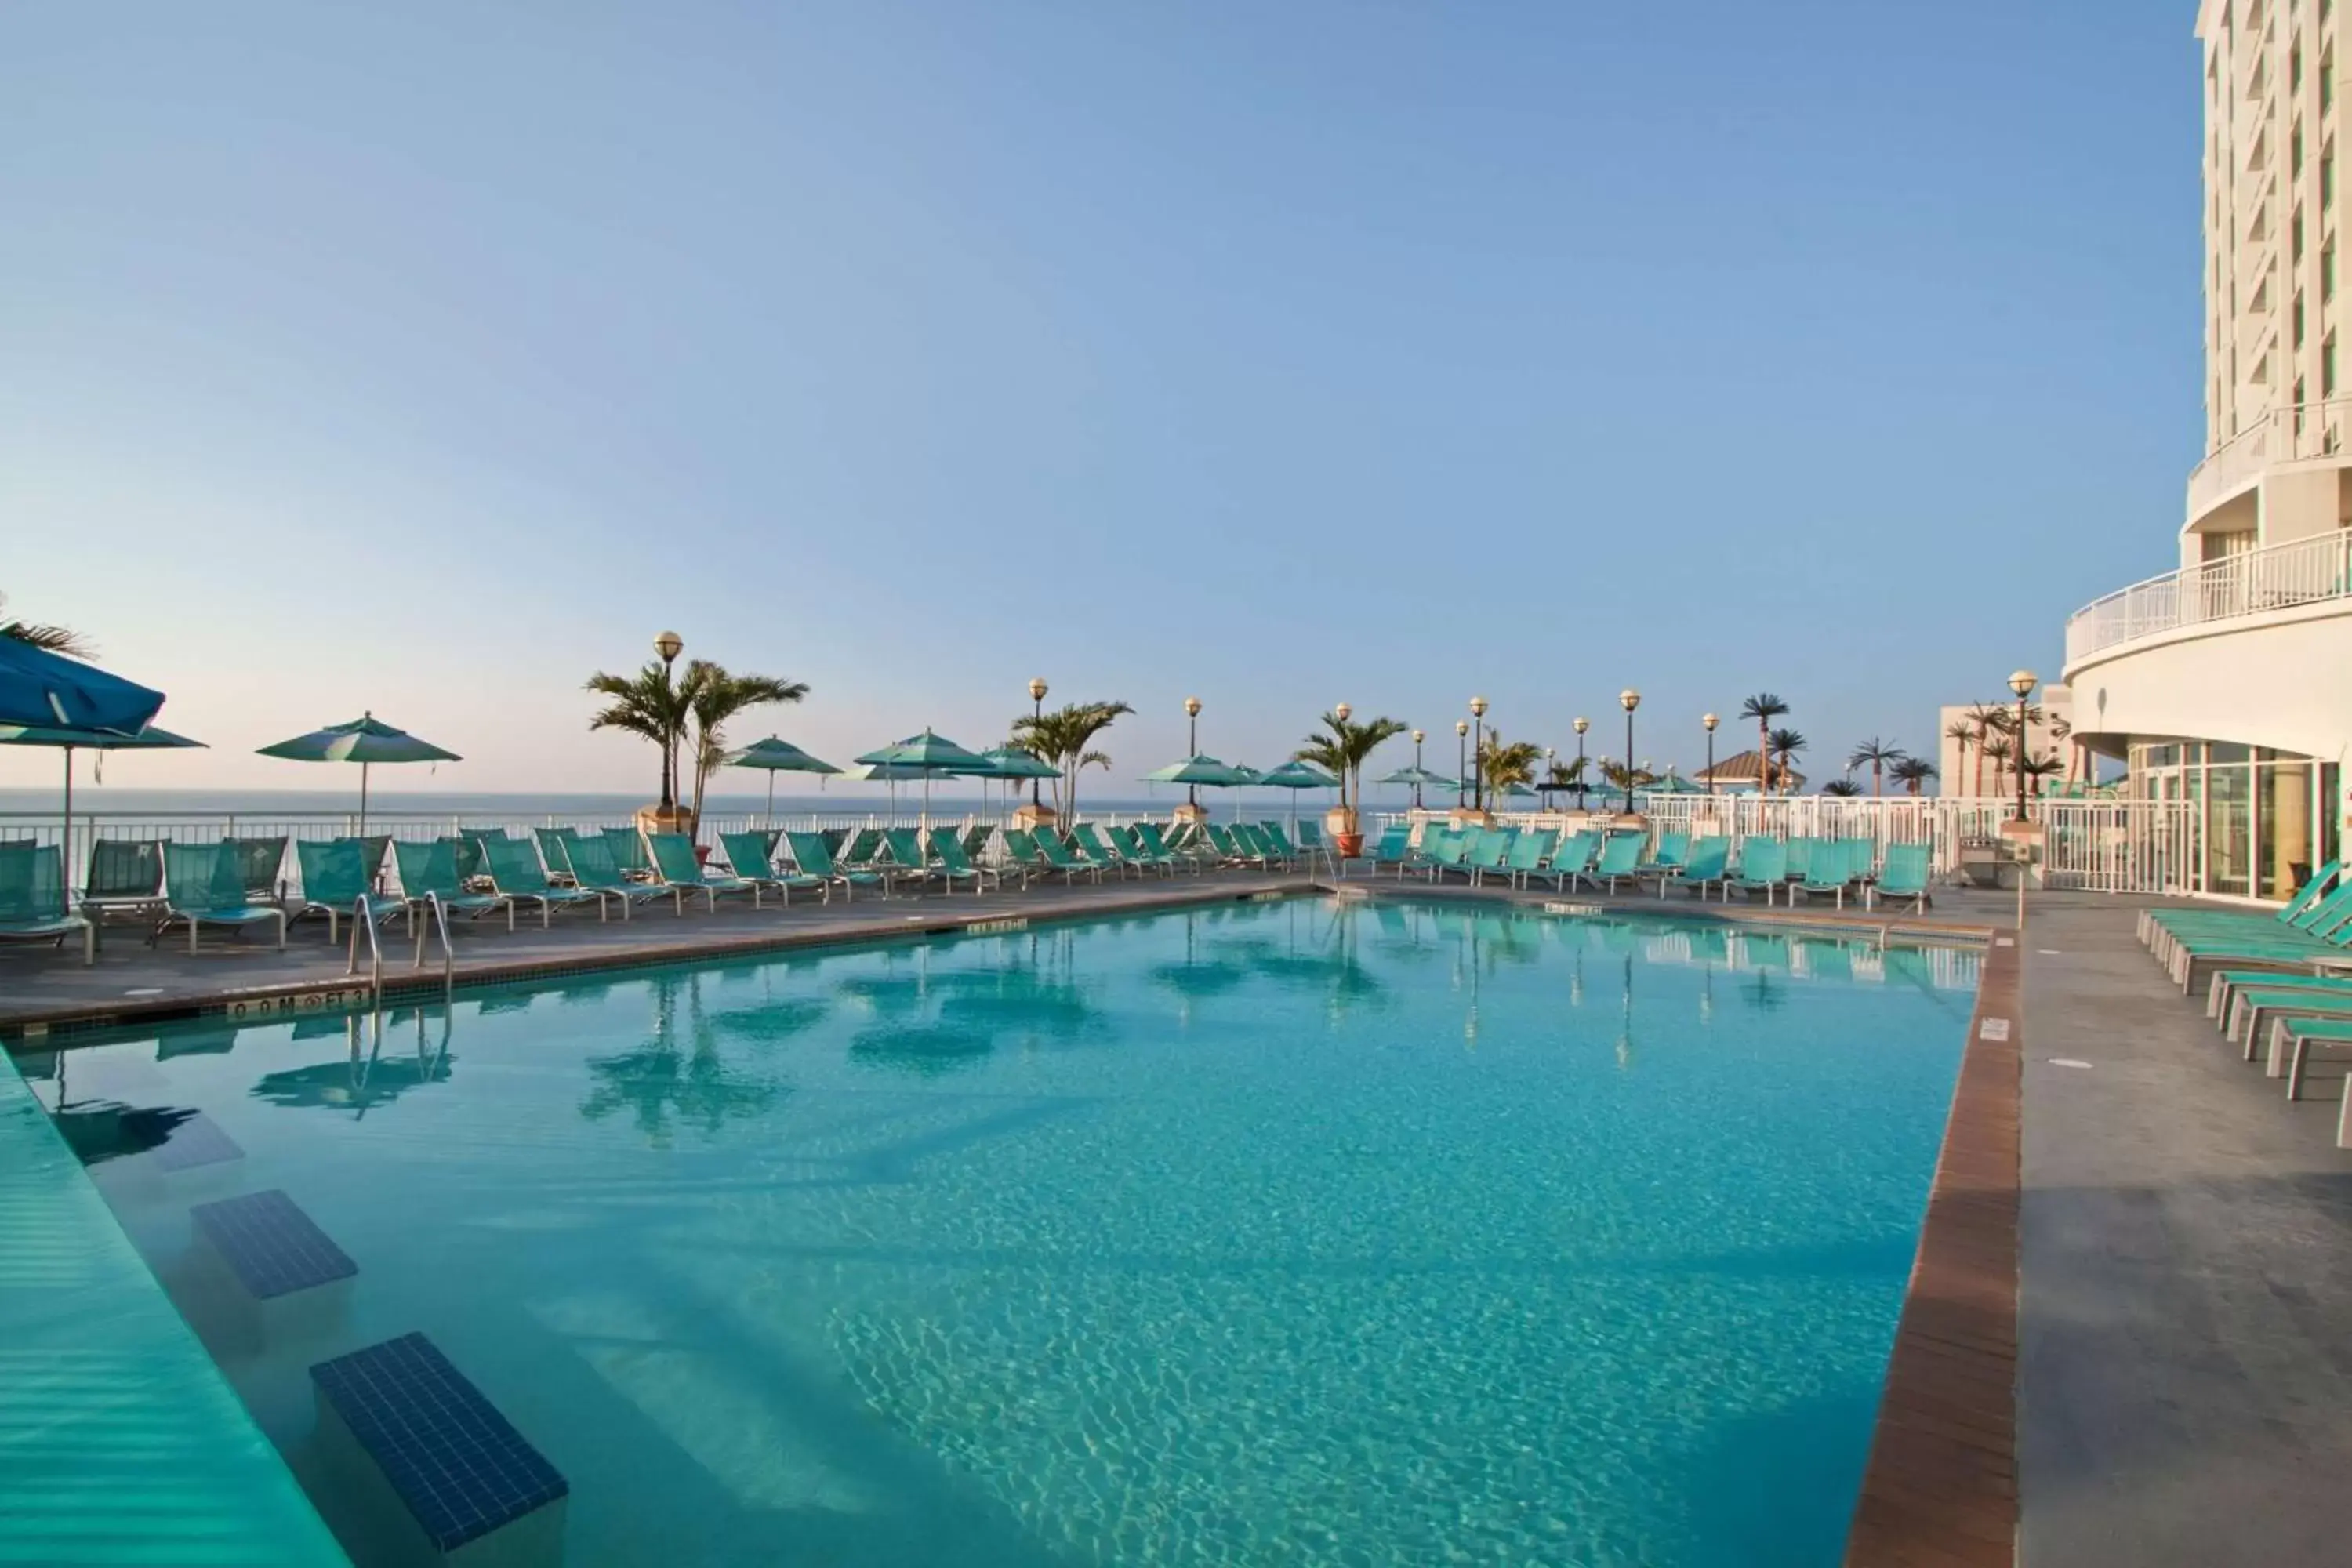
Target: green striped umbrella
[(366, 740)]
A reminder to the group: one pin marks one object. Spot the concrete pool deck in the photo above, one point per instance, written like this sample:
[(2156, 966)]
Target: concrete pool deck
[(2124, 1339)]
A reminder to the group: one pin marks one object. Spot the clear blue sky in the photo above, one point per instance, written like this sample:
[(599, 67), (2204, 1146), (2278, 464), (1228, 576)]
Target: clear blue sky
[(426, 358)]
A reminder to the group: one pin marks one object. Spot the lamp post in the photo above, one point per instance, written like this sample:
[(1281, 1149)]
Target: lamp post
[(1477, 749), (1630, 700), (1193, 744), (2023, 682), (1036, 711), (1708, 722), (1582, 724), (669, 645), (1418, 737), (1551, 766), (1460, 759)]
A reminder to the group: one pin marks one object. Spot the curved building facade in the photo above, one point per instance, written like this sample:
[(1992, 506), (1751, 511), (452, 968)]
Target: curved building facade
[(2226, 683)]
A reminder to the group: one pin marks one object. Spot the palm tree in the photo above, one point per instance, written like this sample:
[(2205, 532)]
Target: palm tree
[(1913, 774), (2036, 769), (51, 639), (1341, 748), (1987, 718), (1878, 755), (1842, 787), (2060, 731), (1502, 764), (1999, 748), (1785, 744), (1764, 707), (1568, 774), (1065, 739), (649, 704), (1616, 776), (1965, 733), (713, 697)]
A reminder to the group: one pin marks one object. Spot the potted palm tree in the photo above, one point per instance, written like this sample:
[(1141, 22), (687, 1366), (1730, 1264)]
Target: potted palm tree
[(1764, 707), (656, 705), (1064, 740), (1340, 749)]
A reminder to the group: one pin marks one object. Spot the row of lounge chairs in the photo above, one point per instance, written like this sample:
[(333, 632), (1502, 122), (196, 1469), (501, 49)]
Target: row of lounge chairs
[(236, 883), (2277, 985), (1563, 861)]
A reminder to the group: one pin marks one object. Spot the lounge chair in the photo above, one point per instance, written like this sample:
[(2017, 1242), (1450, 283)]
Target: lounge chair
[(2293, 1039), (1569, 862), (680, 869), (1797, 854), (1486, 857), (2159, 927), (1285, 853), (1131, 848), (1444, 849), (261, 865), (336, 883), (2254, 1010), (1167, 853), (752, 858), (1058, 858), (903, 860), (1619, 858), (1763, 866), (1827, 874), (124, 873), (203, 884), (516, 875), (1393, 846), (2320, 935), (555, 849), (814, 857), (1903, 875), (1709, 862), (1527, 854), (958, 865), (33, 900), (975, 841), (628, 848), (430, 870), (861, 851), (594, 871), (1093, 848)]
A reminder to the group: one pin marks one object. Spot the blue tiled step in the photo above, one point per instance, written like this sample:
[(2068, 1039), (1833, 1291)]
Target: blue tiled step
[(272, 1245), (459, 1467), (197, 1141)]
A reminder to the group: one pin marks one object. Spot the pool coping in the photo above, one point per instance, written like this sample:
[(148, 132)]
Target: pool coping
[(1941, 1489)]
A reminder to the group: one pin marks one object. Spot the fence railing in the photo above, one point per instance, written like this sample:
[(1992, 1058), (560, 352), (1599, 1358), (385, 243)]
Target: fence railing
[(2303, 572), (2108, 846), (2300, 432)]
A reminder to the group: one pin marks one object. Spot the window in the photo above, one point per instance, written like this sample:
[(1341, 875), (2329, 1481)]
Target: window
[(2326, 179), (2294, 238), (2294, 151), (2328, 366), (2298, 323), (2299, 408), (2327, 84), (2328, 272), (2294, 68)]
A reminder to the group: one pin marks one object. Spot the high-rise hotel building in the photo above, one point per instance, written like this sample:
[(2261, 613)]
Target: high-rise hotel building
[(2226, 683)]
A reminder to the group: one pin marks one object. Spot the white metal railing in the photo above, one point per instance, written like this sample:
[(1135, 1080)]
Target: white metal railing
[(2094, 845), (2302, 572), (2299, 432)]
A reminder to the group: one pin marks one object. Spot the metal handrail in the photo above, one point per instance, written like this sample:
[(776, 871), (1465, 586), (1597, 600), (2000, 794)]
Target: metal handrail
[(440, 914), (361, 920)]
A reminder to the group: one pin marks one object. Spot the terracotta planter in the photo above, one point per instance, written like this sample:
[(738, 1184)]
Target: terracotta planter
[(1347, 831)]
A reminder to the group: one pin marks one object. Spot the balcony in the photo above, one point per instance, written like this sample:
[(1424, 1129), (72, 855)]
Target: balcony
[(2304, 432), (2256, 582)]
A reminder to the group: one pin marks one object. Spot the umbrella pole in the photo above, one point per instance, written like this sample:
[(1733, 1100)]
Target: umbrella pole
[(65, 838), (363, 783), (768, 817)]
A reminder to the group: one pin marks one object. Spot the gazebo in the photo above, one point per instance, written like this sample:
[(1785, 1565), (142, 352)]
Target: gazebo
[(1745, 771)]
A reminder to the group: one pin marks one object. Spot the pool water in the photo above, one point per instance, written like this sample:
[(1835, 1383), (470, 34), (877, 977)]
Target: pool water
[(1314, 1232)]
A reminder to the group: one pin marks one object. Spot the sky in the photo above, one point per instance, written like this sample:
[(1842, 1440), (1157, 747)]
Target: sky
[(425, 358)]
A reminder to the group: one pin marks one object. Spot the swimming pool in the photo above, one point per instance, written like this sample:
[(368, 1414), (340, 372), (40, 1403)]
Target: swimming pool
[(1317, 1231)]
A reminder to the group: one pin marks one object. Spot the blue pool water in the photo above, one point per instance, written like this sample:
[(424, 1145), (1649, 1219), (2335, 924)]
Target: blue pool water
[(1301, 1233)]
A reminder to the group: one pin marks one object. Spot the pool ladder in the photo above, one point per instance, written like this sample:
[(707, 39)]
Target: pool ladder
[(363, 919)]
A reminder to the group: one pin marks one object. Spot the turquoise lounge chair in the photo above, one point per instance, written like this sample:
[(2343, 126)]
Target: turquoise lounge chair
[(33, 900), (814, 857), (954, 863), (1093, 848), (1171, 852), (1057, 856), (1285, 853), (861, 851), (555, 849), (753, 858), (1619, 858), (2296, 1039), (1494, 847), (203, 884), (1674, 849), (1709, 862), (1021, 849), (1826, 874), (124, 873), (336, 883), (430, 870), (1393, 846), (681, 870), (261, 866), (1903, 874), (1569, 862), (904, 861), (515, 873), (1763, 866), (595, 869), (628, 848), (1528, 854), (1131, 848)]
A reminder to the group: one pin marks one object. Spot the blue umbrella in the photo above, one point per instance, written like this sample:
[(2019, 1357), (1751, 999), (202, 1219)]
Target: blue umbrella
[(72, 740), (41, 688)]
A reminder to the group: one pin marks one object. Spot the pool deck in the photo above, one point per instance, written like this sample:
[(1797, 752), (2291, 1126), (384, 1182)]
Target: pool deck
[(2126, 1335)]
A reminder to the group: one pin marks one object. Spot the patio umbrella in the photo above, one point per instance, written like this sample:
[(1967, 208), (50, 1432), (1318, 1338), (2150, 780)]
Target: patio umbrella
[(928, 753), (1197, 769), (1419, 776), (882, 772), (72, 740), (1243, 776), (775, 757), (1294, 776), (1011, 763), (1672, 784), (363, 740), (41, 688)]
